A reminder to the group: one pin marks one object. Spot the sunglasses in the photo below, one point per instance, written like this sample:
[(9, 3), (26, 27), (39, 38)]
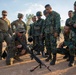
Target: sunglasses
[(4, 14), (21, 32)]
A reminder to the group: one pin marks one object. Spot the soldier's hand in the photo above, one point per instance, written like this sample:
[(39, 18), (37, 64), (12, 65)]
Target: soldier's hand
[(60, 45), (74, 25), (19, 46), (56, 34), (23, 52)]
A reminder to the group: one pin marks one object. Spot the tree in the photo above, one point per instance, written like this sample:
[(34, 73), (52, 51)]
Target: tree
[(29, 18)]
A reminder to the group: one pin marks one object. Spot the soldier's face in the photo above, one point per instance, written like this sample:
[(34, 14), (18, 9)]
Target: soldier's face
[(34, 19), (38, 17), (19, 34), (4, 15), (66, 29), (75, 8), (48, 9), (21, 17), (46, 15), (70, 14)]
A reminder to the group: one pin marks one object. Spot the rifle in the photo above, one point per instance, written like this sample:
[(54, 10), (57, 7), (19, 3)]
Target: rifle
[(34, 56)]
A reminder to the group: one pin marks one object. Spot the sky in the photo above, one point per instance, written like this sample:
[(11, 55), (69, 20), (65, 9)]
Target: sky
[(14, 7)]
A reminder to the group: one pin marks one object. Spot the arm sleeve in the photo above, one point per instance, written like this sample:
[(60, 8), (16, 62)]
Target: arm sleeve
[(57, 23), (12, 26)]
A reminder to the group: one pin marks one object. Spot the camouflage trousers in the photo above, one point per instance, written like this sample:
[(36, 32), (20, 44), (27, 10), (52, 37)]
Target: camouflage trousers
[(71, 48), (4, 36), (40, 42), (12, 53), (50, 43)]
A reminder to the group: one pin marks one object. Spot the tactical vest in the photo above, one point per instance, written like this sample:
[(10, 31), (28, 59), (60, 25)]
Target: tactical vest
[(3, 25), (49, 24), (37, 27)]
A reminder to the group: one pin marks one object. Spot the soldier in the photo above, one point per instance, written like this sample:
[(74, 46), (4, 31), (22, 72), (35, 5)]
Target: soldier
[(18, 22), (43, 34), (37, 28), (45, 13), (74, 18), (51, 30), (8, 22), (16, 48), (4, 35), (69, 22), (70, 43), (31, 27)]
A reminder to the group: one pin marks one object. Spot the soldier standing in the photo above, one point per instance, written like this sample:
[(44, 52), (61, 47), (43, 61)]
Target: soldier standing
[(37, 28), (51, 30), (31, 27), (18, 22), (74, 18), (43, 34), (4, 35)]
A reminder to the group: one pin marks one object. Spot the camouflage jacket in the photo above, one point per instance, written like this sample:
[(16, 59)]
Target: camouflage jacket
[(3, 25), (74, 21), (37, 27), (30, 32), (69, 22), (70, 38), (52, 23), (15, 42), (15, 23)]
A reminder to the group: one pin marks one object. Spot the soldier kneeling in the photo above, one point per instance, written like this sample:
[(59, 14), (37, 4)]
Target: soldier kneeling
[(16, 48), (70, 43)]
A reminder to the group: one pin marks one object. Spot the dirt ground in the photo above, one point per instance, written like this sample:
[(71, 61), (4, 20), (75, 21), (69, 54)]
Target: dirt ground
[(23, 68)]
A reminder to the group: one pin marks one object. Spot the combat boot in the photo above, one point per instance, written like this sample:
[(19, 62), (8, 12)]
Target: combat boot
[(53, 60), (0, 56), (43, 55), (49, 58), (71, 63), (68, 59), (18, 59), (9, 61)]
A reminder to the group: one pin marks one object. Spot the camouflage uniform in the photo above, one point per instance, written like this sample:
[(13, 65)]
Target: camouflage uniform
[(74, 22), (16, 23), (74, 18), (69, 22), (30, 32), (37, 27), (4, 35), (9, 27), (15, 52), (70, 42), (52, 25)]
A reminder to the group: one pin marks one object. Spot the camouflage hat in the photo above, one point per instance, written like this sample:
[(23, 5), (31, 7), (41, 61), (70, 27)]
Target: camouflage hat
[(20, 28), (39, 13), (75, 3), (20, 15)]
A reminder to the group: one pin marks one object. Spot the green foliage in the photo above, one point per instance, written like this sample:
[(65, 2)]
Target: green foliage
[(62, 27)]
